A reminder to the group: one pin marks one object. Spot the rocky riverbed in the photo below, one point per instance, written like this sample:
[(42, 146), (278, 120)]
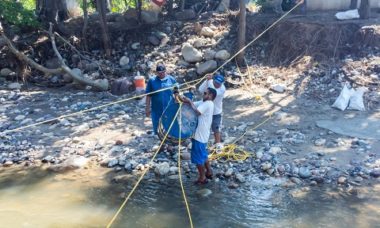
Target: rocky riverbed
[(289, 146)]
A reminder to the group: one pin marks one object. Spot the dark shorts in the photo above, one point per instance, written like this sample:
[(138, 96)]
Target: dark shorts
[(216, 123), (199, 153)]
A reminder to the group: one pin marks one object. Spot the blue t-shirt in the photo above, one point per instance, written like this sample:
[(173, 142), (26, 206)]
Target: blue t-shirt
[(161, 99)]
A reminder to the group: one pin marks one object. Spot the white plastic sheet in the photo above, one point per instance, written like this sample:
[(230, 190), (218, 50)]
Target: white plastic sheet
[(348, 15)]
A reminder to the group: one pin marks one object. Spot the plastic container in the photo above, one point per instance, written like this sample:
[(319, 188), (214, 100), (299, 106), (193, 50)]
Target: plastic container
[(139, 82)]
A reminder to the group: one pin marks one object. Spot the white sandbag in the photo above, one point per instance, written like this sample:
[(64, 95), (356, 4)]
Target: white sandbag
[(356, 99), (348, 15), (344, 97)]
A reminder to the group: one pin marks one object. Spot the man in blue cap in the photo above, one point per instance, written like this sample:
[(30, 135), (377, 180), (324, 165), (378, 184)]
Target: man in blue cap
[(217, 83), (157, 102)]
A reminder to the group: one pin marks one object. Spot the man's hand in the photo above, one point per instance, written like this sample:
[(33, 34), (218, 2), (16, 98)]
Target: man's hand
[(209, 76), (147, 111)]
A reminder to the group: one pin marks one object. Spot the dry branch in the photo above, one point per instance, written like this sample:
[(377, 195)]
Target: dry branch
[(101, 84)]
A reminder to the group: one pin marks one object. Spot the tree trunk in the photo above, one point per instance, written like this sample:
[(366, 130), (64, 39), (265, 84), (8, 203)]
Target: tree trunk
[(364, 9), (241, 35), (183, 2), (52, 11), (139, 7), (170, 7), (102, 8), (85, 24), (354, 4)]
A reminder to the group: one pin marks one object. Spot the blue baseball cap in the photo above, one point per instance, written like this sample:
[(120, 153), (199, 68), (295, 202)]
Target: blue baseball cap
[(219, 79), (160, 68)]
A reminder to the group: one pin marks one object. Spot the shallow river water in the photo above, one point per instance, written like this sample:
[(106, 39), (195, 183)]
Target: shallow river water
[(86, 198)]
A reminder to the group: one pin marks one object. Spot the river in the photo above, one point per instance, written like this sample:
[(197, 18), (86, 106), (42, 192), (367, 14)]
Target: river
[(34, 197)]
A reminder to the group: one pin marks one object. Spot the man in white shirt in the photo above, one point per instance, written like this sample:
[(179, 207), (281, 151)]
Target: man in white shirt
[(217, 83), (199, 154)]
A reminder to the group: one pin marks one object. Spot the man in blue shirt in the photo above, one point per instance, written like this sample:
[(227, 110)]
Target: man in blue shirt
[(157, 102)]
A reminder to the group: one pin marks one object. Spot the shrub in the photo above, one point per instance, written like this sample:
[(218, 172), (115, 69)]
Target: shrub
[(20, 14)]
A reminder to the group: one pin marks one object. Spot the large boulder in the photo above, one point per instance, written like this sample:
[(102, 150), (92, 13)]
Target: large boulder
[(14, 86), (5, 72), (191, 54), (162, 169), (224, 6), (124, 61), (206, 67), (207, 31), (198, 43), (222, 55), (149, 17), (209, 54)]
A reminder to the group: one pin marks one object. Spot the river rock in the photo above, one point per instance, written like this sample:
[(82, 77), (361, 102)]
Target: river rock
[(266, 158), (266, 166), (124, 61), (48, 158), (240, 178), (8, 163), (375, 173), (358, 179), (186, 14), (304, 172), (279, 88), (320, 142), (259, 154), (224, 6), (162, 169), (5, 72), (204, 192), (136, 46), (206, 67), (149, 17), (209, 54), (233, 185), (342, 180), (222, 55), (14, 86), (173, 170), (19, 117), (207, 31), (281, 168), (154, 40), (296, 180), (76, 162), (229, 172), (113, 162), (121, 178), (186, 156), (191, 54), (198, 43), (274, 150)]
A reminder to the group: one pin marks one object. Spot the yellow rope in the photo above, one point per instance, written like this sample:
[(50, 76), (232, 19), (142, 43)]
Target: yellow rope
[(231, 152), (179, 170), (144, 172)]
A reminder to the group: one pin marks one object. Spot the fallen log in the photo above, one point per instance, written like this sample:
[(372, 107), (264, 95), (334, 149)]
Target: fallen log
[(99, 84)]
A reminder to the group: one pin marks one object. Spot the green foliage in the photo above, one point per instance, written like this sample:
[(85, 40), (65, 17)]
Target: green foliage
[(21, 14)]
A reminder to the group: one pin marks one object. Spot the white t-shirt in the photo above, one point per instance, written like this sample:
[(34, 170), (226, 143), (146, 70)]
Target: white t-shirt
[(202, 133), (220, 92)]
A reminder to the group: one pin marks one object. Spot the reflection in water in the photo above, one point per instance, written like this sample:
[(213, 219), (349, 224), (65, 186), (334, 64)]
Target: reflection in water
[(84, 198)]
